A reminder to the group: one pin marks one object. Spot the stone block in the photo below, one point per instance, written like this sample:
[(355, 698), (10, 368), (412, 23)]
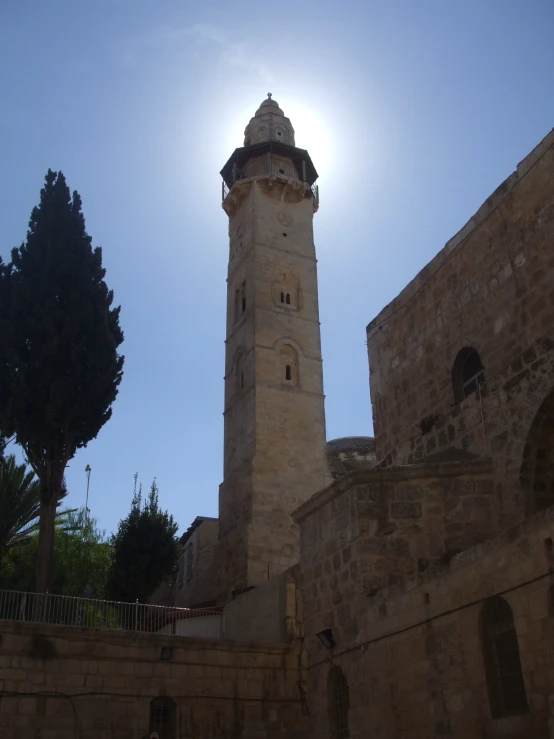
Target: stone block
[(405, 510)]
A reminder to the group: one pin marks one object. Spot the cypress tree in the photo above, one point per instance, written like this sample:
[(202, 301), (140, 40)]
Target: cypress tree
[(145, 550), (59, 364)]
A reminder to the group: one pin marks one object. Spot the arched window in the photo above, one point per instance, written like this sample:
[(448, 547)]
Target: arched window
[(467, 373), (163, 718), (240, 300), (537, 467), (338, 703), (289, 365), (507, 696), (286, 288)]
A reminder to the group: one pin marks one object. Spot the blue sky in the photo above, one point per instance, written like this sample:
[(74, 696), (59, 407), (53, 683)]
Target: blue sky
[(413, 112)]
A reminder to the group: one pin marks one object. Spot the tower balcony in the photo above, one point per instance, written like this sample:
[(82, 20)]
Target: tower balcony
[(270, 158)]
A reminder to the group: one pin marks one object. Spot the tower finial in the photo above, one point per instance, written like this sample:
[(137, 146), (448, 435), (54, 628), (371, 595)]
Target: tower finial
[(269, 95)]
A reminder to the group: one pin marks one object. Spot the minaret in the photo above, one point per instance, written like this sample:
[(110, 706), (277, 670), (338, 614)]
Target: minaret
[(274, 456)]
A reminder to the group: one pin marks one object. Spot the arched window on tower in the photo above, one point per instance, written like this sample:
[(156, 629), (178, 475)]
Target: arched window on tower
[(240, 300), (467, 373), (163, 718), (338, 703), (289, 365), (507, 696)]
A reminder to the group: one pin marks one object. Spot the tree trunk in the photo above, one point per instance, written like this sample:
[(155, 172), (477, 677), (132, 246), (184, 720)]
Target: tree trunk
[(45, 555)]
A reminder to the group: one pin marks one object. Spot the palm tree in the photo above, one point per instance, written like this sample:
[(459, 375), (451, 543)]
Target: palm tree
[(19, 504)]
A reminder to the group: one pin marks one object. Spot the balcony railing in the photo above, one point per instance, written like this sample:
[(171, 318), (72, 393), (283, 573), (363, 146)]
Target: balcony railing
[(101, 614), (266, 165)]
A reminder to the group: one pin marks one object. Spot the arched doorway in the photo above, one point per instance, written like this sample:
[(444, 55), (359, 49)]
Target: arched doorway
[(537, 467)]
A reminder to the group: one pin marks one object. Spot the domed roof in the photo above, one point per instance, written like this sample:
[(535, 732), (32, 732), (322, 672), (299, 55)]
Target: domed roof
[(269, 124), (350, 443), (269, 106), (350, 453)]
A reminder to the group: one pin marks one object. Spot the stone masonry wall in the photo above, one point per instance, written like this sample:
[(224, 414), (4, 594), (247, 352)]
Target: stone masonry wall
[(490, 288), (373, 528), (412, 653), (274, 422), (54, 680)]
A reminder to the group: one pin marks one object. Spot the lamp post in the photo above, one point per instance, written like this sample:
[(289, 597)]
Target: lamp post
[(88, 470)]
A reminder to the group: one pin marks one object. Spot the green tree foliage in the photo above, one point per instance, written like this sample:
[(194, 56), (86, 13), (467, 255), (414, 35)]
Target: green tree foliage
[(145, 550), (82, 559), (20, 504), (59, 365)]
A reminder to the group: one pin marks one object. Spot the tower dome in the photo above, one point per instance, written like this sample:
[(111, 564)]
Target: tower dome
[(269, 124)]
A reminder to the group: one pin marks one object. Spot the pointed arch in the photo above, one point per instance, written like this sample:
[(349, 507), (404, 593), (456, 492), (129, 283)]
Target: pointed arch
[(286, 291), (282, 340), (289, 365), (537, 467), (163, 717), (506, 688), (338, 703), (467, 373)]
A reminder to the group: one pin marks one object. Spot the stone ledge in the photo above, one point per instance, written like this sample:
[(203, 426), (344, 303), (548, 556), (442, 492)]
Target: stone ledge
[(137, 639), (477, 466)]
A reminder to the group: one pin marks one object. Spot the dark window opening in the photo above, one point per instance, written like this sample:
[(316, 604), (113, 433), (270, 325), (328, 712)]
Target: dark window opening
[(242, 380), (467, 373), (284, 234), (338, 701), (507, 695), (282, 297), (243, 297), (537, 465), (288, 298), (278, 133), (281, 171), (288, 373), (162, 717)]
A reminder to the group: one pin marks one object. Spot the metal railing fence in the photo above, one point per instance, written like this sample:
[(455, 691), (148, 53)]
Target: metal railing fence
[(102, 614)]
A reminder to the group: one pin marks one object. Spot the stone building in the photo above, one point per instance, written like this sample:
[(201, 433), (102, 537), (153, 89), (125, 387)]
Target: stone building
[(274, 422), (389, 587), (428, 580), (426, 558)]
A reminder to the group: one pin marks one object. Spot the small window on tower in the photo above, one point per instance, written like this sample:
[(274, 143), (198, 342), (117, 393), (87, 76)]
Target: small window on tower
[(282, 297), (242, 380), (289, 359), (243, 297), (288, 298)]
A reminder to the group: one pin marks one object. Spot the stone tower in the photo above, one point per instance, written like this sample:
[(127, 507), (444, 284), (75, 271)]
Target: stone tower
[(274, 449)]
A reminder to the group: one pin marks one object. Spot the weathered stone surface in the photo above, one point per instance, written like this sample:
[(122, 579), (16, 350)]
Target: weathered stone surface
[(435, 530), (219, 688)]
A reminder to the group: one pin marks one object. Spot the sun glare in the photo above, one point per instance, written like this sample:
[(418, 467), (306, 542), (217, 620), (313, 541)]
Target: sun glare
[(310, 130), (311, 133)]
